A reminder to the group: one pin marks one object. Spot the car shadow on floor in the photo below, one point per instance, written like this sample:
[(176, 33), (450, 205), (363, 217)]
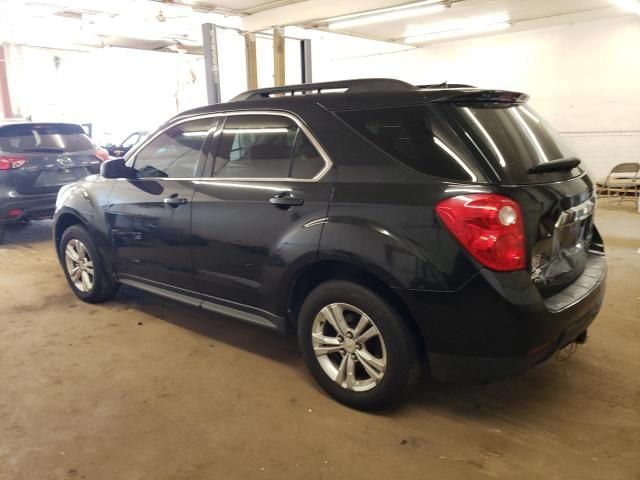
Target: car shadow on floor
[(499, 399), (252, 338), (27, 233)]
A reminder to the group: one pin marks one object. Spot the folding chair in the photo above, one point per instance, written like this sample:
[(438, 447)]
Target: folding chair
[(623, 180)]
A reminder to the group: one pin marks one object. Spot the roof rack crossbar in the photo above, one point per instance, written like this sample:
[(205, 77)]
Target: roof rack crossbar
[(348, 86)]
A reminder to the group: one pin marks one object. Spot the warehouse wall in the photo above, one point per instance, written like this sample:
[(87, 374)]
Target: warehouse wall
[(584, 78), (116, 90)]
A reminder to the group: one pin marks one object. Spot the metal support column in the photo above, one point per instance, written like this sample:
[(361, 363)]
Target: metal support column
[(5, 98), (305, 61), (278, 57), (252, 60), (212, 68)]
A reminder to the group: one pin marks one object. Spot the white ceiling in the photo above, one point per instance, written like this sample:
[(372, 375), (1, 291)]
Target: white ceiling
[(515, 10), (156, 24), (242, 6), (145, 24), (522, 14)]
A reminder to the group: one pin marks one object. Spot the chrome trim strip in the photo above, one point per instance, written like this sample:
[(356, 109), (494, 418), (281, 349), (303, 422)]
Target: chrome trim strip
[(162, 292), (323, 153), (237, 314), (199, 303), (576, 214)]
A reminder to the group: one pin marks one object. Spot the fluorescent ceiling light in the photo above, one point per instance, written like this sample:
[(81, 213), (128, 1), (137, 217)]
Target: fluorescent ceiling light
[(488, 23), (382, 10), (632, 6), (428, 7)]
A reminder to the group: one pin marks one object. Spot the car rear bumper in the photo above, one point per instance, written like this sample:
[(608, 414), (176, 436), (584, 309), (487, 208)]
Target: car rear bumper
[(498, 325), (31, 206), (457, 368)]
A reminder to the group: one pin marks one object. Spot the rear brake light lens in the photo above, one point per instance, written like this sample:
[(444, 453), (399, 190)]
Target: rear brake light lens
[(14, 213), (102, 154), (490, 228), (8, 162)]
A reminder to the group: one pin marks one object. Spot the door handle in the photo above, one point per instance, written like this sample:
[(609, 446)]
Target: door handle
[(175, 201), (286, 201)]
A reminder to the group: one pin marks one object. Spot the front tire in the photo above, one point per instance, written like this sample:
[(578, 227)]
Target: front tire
[(357, 346), (84, 267)]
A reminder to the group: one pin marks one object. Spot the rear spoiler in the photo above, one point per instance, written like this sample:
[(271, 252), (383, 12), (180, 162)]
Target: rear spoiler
[(554, 165), (483, 96)]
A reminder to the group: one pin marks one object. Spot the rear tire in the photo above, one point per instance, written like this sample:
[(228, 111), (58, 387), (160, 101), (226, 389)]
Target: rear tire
[(370, 360), (84, 267)]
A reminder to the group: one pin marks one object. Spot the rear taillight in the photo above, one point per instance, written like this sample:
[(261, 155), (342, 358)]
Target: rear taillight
[(7, 162), (102, 154), (489, 226), (14, 213)]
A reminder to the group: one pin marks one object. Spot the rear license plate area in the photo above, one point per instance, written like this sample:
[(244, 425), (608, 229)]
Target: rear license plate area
[(60, 176)]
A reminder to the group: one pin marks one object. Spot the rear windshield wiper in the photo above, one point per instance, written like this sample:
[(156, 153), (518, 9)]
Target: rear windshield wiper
[(43, 150), (555, 165)]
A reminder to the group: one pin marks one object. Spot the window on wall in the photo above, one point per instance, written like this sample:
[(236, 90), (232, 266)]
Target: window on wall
[(265, 146), (174, 153)]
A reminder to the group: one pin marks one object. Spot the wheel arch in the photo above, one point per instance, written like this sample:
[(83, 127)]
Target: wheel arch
[(63, 221), (313, 274)]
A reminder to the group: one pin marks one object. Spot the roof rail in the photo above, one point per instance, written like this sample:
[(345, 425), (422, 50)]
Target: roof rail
[(444, 85), (347, 86)]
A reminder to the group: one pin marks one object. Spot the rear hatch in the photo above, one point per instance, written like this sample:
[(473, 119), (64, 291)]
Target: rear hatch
[(493, 137), (45, 156), (531, 163)]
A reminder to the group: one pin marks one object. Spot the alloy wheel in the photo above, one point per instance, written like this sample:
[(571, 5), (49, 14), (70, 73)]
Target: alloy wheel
[(79, 265), (349, 347)]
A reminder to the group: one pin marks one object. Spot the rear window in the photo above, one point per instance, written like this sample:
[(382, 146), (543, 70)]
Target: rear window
[(513, 138), (26, 138), (417, 137)]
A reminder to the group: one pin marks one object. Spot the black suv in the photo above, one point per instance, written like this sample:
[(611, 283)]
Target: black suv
[(36, 159), (393, 227)]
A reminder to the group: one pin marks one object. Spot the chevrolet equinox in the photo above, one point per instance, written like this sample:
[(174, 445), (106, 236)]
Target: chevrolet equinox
[(392, 227)]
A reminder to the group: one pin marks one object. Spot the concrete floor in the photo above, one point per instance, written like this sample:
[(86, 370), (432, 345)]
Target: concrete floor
[(142, 388)]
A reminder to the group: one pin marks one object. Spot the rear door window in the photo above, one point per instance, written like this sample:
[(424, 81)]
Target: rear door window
[(265, 146), (415, 136), (51, 137)]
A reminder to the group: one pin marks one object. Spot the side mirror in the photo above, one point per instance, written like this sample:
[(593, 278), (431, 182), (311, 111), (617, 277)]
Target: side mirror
[(109, 145), (116, 168)]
